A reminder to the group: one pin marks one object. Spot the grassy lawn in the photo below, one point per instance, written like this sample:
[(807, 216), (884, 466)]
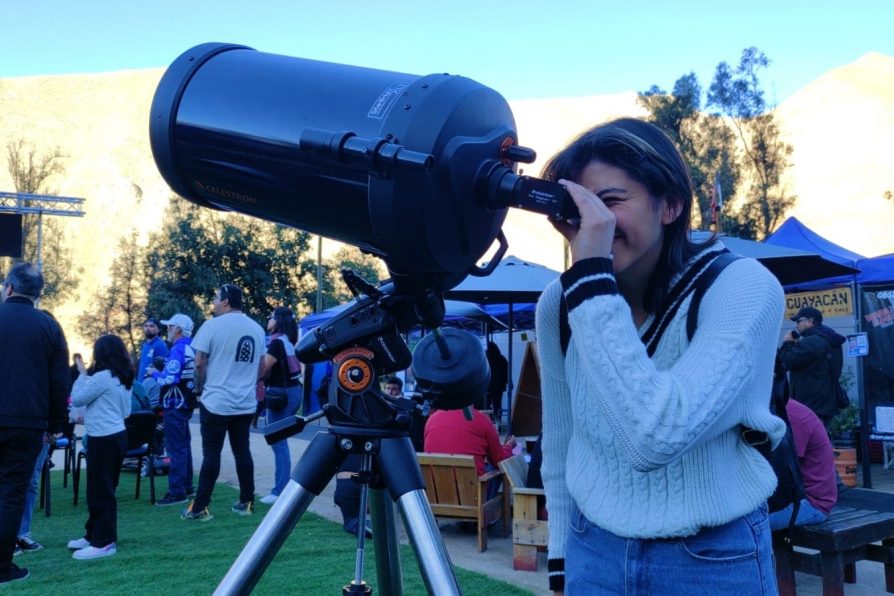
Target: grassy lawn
[(158, 553)]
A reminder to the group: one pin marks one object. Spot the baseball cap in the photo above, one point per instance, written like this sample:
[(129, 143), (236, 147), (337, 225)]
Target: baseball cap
[(180, 320), (809, 313), (152, 320)]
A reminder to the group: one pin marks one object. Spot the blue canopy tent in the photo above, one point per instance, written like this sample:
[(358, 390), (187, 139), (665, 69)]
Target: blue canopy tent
[(793, 234), (876, 270)]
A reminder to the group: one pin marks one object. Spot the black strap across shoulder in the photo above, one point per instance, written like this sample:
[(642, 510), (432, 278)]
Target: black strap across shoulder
[(702, 284)]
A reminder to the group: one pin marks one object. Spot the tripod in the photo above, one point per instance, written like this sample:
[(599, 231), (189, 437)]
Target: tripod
[(362, 420)]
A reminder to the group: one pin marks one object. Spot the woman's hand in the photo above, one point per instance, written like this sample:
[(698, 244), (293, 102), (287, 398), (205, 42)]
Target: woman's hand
[(594, 235), (79, 362)]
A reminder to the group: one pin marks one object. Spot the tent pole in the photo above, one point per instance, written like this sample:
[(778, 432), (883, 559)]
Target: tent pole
[(509, 384), (864, 407)]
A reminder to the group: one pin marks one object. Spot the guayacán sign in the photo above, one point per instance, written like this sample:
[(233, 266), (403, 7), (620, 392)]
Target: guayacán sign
[(837, 302)]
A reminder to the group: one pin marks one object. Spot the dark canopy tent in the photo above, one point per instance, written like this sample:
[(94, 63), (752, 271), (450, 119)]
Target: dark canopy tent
[(790, 266), (512, 282)]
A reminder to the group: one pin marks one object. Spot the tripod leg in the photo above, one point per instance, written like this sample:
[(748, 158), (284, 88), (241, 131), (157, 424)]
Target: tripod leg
[(385, 541), (400, 471), (309, 477)]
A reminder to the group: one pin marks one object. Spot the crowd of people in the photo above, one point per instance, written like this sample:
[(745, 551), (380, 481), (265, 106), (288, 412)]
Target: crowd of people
[(635, 397)]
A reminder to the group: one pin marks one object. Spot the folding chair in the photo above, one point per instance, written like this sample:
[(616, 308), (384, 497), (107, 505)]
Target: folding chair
[(140, 428)]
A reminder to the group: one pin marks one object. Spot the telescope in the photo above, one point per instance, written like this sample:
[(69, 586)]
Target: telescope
[(417, 170)]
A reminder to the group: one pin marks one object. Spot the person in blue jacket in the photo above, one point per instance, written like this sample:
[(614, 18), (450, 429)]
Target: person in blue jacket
[(177, 383), (153, 347)]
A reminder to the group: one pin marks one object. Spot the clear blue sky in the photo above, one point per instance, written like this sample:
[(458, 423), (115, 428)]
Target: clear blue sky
[(523, 49)]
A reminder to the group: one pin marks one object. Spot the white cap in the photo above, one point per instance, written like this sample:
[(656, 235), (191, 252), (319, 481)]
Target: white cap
[(182, 321)]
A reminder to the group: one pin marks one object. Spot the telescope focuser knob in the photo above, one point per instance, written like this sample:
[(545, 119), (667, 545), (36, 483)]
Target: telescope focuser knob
[(520, 154)]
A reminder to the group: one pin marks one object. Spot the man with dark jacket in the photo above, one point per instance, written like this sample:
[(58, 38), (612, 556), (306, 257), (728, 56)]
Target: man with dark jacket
[(812, 354), (34, 386)]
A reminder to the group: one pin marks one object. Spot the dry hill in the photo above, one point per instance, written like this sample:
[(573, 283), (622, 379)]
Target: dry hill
[(839, 125)]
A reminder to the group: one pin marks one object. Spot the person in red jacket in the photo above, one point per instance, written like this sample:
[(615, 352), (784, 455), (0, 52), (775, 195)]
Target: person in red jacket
[(449, 431)]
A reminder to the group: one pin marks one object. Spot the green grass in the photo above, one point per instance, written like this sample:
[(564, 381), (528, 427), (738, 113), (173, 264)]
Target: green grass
[(158, 553)]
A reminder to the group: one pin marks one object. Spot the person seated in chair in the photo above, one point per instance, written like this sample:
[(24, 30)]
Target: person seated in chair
[(451, 431), (817, 462)]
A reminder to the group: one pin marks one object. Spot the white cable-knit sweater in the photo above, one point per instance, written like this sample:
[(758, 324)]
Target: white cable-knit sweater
[(650, 447)]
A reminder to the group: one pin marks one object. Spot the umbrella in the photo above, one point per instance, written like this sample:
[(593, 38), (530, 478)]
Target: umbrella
[(789, 265), (512, 281)]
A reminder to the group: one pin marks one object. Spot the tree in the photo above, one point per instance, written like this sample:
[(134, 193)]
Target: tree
[(738, 94), (118, 307), (31, 172), (738, 145), (198, 250), (706, 143), (369, 267)]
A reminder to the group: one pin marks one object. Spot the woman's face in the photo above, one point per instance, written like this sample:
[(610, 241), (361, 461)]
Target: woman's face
[(639, 231)]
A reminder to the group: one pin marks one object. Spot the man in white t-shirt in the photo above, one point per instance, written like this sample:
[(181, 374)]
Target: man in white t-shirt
[(228, 350)]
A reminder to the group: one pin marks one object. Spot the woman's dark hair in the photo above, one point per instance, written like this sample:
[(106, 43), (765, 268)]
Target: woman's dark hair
[(647, 155), (285, 323), (110, 354)]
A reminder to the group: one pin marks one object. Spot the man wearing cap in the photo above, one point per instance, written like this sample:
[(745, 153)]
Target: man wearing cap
[(812, 355), (228, 349), (177, 390), (153, 347)]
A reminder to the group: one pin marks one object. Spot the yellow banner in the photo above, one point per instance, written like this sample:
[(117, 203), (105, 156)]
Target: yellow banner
[(832, 303)]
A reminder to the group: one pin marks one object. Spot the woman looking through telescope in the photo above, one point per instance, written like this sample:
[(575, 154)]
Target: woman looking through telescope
[(650, 486)]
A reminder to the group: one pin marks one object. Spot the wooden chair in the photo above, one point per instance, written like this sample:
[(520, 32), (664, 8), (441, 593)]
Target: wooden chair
[(455, 490), (528, 532)]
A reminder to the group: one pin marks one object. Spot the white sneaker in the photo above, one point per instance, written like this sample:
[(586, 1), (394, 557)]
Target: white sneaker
[(91, 552), (78, 544), (269, 499)]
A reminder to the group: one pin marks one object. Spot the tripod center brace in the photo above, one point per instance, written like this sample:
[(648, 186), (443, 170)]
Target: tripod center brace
[(448, 364)]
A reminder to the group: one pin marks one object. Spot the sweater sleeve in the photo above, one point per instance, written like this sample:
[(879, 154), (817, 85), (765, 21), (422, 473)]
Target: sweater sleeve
[(557, 427), (657, 415), (86, 389)]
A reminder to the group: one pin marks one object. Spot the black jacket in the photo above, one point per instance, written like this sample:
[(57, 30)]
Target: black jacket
[(34, 377), (814, 360)]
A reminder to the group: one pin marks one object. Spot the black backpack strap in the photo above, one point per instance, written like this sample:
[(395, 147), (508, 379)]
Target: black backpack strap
[(702, 284), (564, 327)]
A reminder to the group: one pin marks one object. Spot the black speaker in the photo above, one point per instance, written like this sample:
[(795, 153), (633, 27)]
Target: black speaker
[(11, 235)]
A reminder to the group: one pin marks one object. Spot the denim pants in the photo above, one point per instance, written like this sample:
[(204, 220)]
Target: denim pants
[(807, 515), (178, 446), (282, 460), (104, 459), (214, 429), (735, 558), (19, 448), (31, 493)]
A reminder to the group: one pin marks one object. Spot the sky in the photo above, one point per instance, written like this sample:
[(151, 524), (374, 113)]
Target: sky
[(523, 49)]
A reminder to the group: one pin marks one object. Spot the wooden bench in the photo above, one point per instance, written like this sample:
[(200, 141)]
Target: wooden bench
[(860, 519), (528, 532), (455, 490)]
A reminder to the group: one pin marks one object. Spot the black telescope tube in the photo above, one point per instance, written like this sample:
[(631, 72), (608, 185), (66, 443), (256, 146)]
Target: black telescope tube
[(240, 130)]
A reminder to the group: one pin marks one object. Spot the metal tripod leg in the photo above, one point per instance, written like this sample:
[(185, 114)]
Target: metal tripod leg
[(403, 478), (314, 471)]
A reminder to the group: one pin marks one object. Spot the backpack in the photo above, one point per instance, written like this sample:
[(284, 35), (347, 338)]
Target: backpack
[(783, 459)]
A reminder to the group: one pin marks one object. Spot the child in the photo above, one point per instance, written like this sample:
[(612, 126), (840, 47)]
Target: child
[(104, 390)]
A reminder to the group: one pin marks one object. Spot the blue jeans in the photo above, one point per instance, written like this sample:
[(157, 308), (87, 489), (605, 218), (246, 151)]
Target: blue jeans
[(282, 460), (19, 448), (178, 445), (735, 558), (31, 493), (807, 515), (214, 429)]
